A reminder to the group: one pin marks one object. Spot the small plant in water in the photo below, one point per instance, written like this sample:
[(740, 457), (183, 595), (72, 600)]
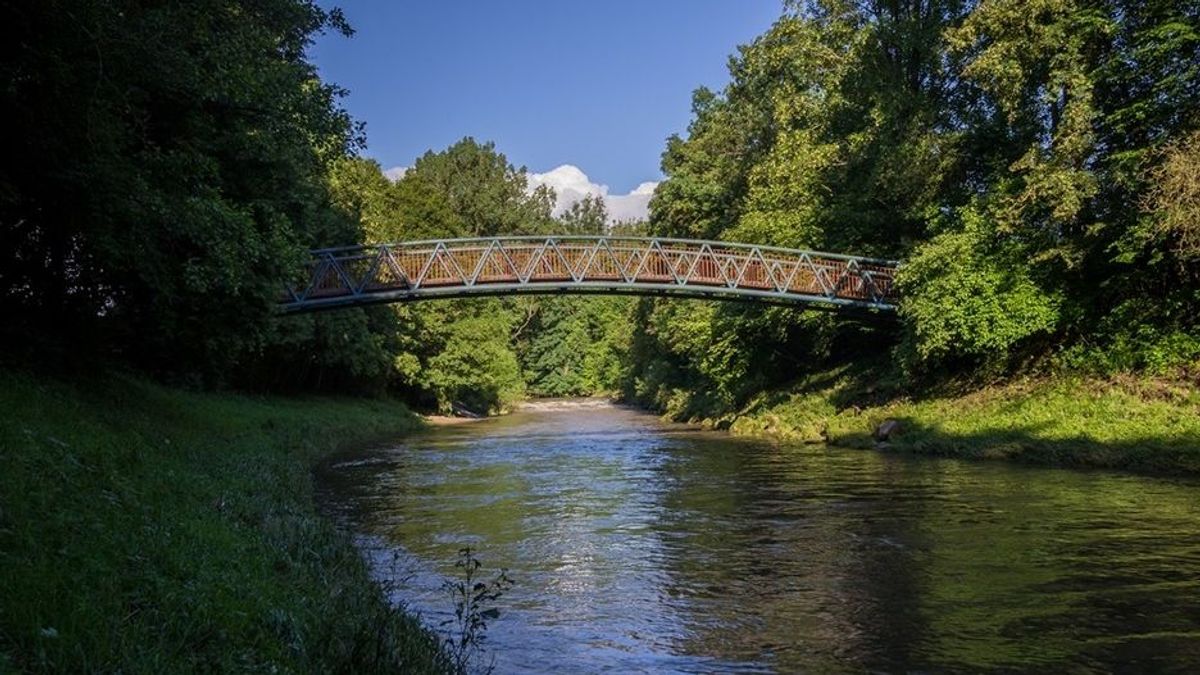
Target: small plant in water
[(474, 602)]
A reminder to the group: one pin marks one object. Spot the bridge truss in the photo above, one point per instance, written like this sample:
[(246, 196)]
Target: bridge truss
[(407, 271)]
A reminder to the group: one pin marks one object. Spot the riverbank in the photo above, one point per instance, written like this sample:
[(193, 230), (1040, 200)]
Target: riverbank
[(147, 529), (1129, 423)]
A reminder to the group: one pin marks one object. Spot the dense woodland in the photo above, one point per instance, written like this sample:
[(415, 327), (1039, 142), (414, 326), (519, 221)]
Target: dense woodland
[(1035, 163)]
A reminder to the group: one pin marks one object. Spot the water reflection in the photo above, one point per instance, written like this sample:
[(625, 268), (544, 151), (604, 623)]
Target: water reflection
[(637, 547)]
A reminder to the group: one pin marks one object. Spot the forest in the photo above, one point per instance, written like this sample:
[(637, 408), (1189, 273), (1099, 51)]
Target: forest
[(1035, 164)]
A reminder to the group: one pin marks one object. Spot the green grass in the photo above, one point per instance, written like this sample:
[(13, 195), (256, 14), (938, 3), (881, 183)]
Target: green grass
[(145, 529), (1129, 423)]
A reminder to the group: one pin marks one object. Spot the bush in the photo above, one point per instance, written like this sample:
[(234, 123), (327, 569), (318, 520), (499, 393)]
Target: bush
[(1129, 342), (477, 367), (966, 296)]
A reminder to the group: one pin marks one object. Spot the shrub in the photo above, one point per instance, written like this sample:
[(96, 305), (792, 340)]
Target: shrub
[(966, 295)]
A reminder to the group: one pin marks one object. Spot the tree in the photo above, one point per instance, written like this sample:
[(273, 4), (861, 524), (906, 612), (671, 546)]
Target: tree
[(476, 367), (358, 187), (1030, 161), (162, 171), (482, 189), (586, 216), (965, 296)]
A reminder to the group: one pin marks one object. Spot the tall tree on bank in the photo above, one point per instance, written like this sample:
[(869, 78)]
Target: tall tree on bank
[(577, 346), (1014, 153), (479, 186), (162, 169), (449, 352)]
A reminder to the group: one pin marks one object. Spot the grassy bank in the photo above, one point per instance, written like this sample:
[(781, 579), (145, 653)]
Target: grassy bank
[(145, 529), (1128, 423)]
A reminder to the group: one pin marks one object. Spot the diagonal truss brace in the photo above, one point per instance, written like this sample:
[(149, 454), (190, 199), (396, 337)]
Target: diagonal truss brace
[(589, 264)]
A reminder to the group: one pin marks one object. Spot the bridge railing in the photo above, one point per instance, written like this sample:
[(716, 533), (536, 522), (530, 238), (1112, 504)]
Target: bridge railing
[(575, 263)]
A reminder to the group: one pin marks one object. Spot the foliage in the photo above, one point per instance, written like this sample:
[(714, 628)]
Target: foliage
[(964, 298), (162, 171), (696, 359), (1149, 347), (475, 365), (358, 187), (578, 347), (1173, 198), (482, 189), (473, 600), (443, 353), (1030, 162), (586, 216), (476, 353), (349, 351), (167, 166)]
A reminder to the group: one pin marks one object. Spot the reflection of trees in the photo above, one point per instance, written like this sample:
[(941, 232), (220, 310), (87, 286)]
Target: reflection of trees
[(864, 560), (779, 559), (1052, 568), (568, 510), (715, 548)]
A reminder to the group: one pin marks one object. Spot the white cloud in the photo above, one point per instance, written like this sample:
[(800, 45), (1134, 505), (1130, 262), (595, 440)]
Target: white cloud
[(571, 184), (396, 173)]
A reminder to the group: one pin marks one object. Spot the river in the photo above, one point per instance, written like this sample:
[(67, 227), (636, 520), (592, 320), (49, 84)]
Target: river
[(637, 546)]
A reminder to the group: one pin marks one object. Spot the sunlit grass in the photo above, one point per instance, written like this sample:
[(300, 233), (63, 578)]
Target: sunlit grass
[(1130, 423), (144, 529)]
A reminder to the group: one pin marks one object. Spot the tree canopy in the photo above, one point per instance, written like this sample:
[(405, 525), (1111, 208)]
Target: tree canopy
[(1032, 162)]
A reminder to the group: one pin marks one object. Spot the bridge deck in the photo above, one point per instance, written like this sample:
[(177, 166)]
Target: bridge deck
[(581, 264)]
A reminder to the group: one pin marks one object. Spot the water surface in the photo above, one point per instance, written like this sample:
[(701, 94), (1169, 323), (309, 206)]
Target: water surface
[(642, 547)]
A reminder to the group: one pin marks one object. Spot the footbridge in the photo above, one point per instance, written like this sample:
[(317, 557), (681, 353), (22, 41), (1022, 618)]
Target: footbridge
[(449, 268)]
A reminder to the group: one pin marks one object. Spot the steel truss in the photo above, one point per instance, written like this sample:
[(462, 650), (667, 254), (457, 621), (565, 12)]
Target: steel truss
[(442, 268)]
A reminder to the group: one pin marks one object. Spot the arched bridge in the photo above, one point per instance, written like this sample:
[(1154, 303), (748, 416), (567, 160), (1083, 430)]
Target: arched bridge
[(443, 268)]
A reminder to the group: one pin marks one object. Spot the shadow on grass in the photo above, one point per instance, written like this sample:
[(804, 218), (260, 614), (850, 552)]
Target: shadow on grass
[(857, 384), (1035, 444)]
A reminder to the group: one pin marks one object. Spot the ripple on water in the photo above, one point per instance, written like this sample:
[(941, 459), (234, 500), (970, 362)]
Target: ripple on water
[(637, 547)]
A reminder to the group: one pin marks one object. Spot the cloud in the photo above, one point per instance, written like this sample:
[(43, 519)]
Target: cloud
[(396, 173), (571, 184), (633, 206)]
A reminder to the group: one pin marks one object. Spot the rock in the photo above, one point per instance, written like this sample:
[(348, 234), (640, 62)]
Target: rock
[(886, 430), (461, 410)]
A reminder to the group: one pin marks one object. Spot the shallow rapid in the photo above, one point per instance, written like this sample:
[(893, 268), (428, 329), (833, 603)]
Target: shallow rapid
[(643, 547)]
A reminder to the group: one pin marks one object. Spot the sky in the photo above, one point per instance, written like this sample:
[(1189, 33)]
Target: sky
[(583, 94)]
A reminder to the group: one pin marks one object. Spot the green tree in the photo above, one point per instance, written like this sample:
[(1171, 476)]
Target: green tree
[(966, 296), (586, 216), (483, 190), (357, 186), (162, 170), (1031, 161), (476, 367), (554, 359)]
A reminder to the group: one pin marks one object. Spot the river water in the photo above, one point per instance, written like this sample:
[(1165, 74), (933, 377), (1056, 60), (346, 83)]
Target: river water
[(637, 546)]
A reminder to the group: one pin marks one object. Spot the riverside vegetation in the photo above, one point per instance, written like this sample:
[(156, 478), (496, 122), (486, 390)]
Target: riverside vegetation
[(146, 529), (1035, 167), (1142, 424), (166, 167)]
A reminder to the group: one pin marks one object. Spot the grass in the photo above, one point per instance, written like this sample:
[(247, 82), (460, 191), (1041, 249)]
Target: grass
[(145, 529), (1128, 423)]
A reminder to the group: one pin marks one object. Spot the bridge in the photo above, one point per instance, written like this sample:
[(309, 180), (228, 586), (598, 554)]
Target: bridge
[(510, 265)]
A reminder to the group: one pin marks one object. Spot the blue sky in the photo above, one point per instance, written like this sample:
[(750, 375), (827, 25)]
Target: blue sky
[(595, 85)]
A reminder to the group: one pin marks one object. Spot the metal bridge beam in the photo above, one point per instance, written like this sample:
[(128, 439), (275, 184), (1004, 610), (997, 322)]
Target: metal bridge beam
[(445, 268)]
